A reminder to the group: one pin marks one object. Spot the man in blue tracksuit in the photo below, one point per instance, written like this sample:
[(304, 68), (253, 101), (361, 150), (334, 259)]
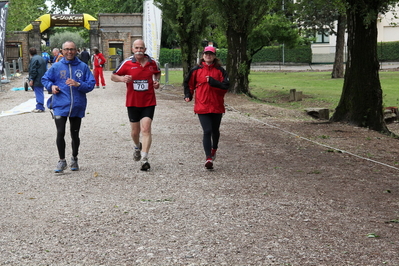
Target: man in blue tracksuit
[(37, 68), (68, 80)]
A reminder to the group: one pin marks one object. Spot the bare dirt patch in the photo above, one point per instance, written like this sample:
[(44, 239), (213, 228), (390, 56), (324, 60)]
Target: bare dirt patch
[(346, 192), (361, 141)]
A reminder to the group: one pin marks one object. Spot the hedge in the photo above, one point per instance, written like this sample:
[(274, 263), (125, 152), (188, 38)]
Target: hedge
[(170, 56), (301, 54), (387, 51)]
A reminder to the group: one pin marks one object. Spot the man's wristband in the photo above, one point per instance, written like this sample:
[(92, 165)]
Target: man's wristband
[(156, 80)]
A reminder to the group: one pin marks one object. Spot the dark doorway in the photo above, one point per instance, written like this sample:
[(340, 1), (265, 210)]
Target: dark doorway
[(115, 55)]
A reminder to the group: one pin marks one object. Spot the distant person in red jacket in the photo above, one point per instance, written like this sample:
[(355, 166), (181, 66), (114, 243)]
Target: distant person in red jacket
[(208, 82), (98, 64)]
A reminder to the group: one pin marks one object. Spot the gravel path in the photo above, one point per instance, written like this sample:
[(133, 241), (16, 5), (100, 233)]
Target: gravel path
[(273, 198)]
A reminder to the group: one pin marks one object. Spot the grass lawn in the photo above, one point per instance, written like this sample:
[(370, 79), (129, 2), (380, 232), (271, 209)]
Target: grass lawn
[(318, 88)]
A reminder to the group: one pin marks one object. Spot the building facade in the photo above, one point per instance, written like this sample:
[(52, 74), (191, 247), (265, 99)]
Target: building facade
[(323, 49)]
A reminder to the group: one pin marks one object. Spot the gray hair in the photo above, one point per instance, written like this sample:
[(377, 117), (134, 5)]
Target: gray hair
[(68, 42)]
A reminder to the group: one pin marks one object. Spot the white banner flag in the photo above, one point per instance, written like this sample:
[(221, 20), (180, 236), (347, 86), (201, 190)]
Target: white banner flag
[(152, 28), (3, 22)]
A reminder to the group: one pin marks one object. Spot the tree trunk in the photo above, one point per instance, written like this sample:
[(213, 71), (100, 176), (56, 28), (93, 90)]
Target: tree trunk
[(338, 68), (189, 53), (237, 65), (361, 99)]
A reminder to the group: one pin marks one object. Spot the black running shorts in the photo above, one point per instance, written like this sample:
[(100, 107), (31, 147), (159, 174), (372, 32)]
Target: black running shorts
[(137, 113)]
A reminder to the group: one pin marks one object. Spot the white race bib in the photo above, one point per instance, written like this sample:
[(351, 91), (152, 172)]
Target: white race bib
[(140, 85)]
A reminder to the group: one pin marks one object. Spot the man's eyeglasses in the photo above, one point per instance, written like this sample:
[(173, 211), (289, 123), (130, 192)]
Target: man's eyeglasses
[(69, 49)]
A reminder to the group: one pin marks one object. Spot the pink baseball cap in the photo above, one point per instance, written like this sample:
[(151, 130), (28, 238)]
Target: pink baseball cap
[(210, 49)]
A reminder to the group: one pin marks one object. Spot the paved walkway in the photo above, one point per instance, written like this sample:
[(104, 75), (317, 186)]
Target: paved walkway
[(311, 67)]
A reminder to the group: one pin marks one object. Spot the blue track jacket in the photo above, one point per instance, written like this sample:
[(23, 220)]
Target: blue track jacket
[(70, 101)]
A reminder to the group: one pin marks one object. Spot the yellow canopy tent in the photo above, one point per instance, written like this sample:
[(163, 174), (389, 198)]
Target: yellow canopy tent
[(59, 20)]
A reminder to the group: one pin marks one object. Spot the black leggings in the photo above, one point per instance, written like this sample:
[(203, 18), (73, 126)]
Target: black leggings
[(60, 123), (210, 125)]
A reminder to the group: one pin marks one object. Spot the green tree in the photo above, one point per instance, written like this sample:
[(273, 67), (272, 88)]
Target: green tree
[(361, 99), (272, 29), (240, 18), (320, 16), (189, 20), (57, 39), (169, 37), (94, 7), (22, 12)]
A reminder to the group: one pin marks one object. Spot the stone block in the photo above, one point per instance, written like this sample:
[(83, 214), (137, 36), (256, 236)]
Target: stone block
[(318, 113)]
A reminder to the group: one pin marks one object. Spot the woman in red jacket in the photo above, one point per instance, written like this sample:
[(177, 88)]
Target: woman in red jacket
[(208, 82), (98, 64)]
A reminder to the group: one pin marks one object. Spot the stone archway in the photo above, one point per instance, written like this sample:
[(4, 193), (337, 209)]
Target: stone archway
[(59, 20), (55, 20), (31, 35)]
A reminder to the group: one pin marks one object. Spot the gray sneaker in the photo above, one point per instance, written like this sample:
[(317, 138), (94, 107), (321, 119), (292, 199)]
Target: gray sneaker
[(145, 165), (137, 153), (61, 166), (74, 164)]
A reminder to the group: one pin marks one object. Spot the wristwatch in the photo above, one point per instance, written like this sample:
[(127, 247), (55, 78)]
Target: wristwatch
[(78, 84), (157, 80)]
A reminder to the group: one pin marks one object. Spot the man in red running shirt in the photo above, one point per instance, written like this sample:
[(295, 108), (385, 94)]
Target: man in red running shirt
[(141, 73)]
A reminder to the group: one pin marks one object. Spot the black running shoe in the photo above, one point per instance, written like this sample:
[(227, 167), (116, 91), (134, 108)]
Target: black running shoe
[(145, 165)]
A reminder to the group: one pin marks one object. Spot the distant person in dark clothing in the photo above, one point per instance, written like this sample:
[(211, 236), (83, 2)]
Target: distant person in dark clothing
[(37, 68), (85, 56)]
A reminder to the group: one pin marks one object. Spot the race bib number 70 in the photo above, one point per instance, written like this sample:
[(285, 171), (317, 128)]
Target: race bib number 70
[(140, 85)]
